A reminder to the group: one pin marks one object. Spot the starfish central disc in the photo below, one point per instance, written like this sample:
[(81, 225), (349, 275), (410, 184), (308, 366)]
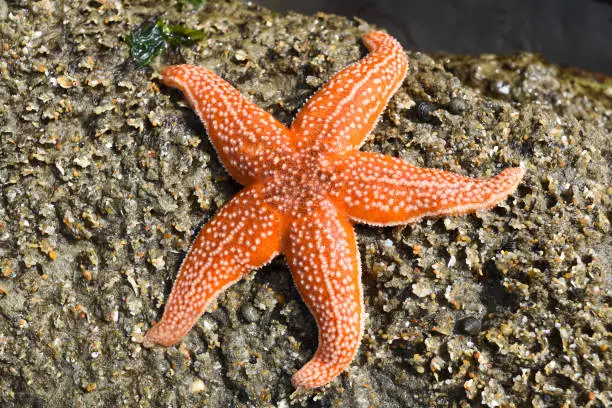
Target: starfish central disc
[(304, 182), (304, 186)]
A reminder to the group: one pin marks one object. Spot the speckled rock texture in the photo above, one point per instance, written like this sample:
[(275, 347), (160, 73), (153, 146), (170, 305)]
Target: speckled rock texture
[(106, 176)]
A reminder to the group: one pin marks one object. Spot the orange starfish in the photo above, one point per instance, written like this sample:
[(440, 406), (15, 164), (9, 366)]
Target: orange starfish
[(303, 187)]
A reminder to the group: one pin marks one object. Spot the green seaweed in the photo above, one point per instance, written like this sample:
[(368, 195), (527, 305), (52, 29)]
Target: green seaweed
[(196, 3), (179, 35), (153, 39)]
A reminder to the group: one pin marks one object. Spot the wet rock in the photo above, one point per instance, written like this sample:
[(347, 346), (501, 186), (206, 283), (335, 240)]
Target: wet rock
[(106, 177)]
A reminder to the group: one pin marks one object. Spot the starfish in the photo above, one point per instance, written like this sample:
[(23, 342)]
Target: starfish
[(304, 186)]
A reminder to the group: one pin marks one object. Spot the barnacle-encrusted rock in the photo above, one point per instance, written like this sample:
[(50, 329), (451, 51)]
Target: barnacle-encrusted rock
[(104, 177)]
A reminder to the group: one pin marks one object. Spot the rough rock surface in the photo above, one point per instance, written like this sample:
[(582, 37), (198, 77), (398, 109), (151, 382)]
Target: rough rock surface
[(105, 176)]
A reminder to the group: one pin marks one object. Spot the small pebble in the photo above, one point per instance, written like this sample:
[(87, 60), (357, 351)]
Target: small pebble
[(197, 386), (240, 55), (501, 88), (470, 325), (457, 106), (425, 110), (249, 313)]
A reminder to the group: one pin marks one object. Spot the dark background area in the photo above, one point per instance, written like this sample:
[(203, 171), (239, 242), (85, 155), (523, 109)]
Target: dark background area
[(576, 33)]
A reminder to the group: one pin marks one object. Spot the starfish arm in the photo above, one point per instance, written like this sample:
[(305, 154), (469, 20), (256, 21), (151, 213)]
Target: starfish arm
[(248, 140), (322, 254), (342, 113), (243, 236), (383, 190)]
